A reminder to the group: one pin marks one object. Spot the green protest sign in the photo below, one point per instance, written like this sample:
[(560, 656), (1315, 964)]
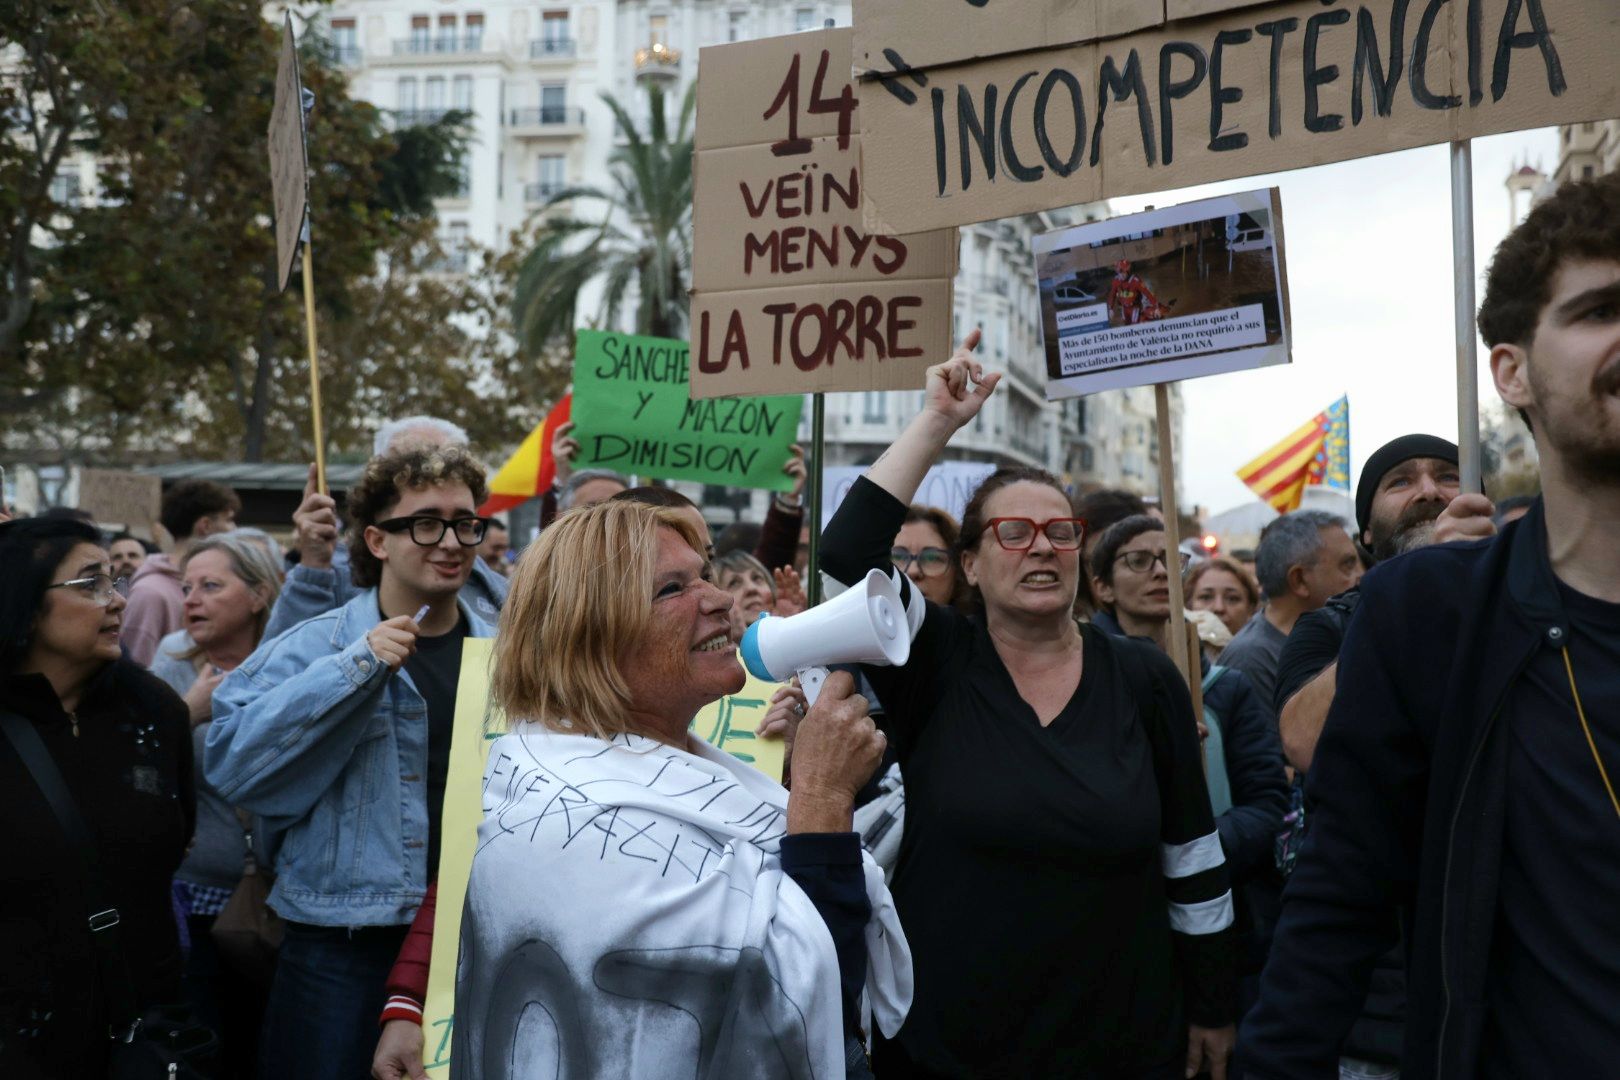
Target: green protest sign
[(633, 413)]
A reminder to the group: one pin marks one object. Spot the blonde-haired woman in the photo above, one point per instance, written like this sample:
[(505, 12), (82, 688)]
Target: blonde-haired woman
[(669, 910), (230, 583)]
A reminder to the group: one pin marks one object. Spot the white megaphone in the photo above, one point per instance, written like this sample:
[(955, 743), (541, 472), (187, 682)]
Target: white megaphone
[(864, 625)]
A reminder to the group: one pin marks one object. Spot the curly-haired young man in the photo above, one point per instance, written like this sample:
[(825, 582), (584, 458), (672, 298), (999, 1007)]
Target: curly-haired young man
[(337, 733), (1465, 779)]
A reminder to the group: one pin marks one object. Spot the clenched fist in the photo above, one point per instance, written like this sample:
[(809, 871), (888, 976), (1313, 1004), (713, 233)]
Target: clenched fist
[(394, 641)]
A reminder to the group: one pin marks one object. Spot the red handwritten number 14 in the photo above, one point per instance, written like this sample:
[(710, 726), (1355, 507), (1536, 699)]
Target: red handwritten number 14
[(843, 105)]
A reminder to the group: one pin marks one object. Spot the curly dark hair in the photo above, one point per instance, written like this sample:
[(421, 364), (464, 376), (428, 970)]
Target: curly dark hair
[(1580, 221), (386, 478)]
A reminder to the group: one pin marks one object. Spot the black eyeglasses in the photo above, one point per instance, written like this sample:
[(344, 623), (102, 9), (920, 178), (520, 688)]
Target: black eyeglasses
[(1140, 562), (427, 530), (99, 587), (930, 560)]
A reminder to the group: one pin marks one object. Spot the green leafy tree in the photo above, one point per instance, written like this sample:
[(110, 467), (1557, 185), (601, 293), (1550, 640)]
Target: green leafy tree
[(147, 315), (637, 235)]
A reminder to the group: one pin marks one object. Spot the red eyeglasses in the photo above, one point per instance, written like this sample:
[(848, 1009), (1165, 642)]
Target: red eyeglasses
[(1018, 533)]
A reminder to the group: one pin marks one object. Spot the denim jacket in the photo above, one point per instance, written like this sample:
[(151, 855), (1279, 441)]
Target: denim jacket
[(309, 592), (313, 734)]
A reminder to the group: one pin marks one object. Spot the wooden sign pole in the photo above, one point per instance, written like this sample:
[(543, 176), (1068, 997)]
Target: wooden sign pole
[(818, 423), (314, 368), (1188, 666)]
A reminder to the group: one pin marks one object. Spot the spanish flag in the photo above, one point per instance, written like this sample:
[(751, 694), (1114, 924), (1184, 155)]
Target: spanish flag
[(532, 470), (1316, 453)]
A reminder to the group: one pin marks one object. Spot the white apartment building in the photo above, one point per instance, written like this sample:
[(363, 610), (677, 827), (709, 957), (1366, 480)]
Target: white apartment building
[(533, 74)]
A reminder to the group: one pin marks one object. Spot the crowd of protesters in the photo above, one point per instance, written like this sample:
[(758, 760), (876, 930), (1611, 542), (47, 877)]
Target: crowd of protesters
[(1385, 843)]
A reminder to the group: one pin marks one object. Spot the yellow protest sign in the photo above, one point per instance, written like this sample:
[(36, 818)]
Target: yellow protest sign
[(728, 723)]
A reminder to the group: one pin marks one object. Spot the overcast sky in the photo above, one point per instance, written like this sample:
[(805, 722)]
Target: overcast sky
[(1368, 245)]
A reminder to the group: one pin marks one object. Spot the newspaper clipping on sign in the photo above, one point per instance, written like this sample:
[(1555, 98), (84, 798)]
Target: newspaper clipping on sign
[(1164, 295)]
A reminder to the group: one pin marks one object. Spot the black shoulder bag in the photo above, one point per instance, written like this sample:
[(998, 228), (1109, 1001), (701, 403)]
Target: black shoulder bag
[(164, 1042)]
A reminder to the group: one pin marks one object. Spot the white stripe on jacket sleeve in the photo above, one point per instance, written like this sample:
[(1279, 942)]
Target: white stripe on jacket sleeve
[(1208, 917), (1185, 860)]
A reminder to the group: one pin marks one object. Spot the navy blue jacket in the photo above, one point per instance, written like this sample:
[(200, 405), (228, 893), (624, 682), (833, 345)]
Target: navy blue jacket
[(1407, 793)]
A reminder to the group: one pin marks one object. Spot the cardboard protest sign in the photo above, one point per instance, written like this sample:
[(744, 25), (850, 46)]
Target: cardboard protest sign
[(1252, 89), (948, 485), (790, 292), (289, 164), (632, 414), (476, 727), (115, 497), (1168, 294), (900, 36)]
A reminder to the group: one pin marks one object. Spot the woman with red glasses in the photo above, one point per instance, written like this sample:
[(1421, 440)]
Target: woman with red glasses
[(1060, 879)]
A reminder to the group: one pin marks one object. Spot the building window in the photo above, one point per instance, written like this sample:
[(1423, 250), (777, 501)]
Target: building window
[(461, 93), (1588, 171), (553, 103), (804, 19), (433, 97), (407, 95), (446, 41), (454, 242), (475, 34), (345, 41), (1088, 459), (463, 178), (875, 407), (421, 30), (554, 31), (65, 188), (551, 176), (737, 26)]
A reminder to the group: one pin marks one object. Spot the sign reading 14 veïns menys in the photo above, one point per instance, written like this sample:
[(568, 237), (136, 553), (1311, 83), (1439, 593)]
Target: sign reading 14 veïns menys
[(958, 127)]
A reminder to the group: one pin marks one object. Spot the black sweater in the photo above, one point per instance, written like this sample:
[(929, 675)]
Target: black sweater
[(130, 771), (1041, 867)]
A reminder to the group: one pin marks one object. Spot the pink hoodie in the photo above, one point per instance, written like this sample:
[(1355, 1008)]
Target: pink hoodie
[(155, 609)]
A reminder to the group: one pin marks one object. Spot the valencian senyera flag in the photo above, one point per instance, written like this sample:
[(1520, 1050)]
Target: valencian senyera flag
[(1315, 454), (532, 470)]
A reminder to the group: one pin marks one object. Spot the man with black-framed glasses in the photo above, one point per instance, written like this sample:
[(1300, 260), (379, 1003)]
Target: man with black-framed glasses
[(338, 734)]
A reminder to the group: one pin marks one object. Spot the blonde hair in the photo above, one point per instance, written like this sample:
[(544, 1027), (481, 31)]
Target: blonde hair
[(251, 562), (580, 599)]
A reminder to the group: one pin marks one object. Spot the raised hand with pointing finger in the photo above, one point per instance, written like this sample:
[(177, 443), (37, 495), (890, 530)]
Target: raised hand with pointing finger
[(958, 388), (564, 448)]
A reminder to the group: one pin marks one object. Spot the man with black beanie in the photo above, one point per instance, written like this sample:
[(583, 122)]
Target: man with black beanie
[(1403, 500)]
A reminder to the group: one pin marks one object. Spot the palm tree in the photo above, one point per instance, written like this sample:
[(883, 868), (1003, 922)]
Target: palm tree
[(641, 237)]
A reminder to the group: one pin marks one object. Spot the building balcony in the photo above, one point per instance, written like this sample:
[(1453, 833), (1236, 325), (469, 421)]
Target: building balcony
[(404, 118), (546, 121), (346, 55), (657, 63), (442, 50), (553, 49), (541, 191), (998, 286), (440, 45)]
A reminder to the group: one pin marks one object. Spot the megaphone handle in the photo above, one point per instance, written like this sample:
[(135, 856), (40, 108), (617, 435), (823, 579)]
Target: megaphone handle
[(811, 680)]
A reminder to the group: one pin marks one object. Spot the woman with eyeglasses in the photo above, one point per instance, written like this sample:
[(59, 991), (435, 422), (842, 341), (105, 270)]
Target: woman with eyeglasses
[(1060, 879), (922, 551), (1243, 758), (120, 741), (228, 583)]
